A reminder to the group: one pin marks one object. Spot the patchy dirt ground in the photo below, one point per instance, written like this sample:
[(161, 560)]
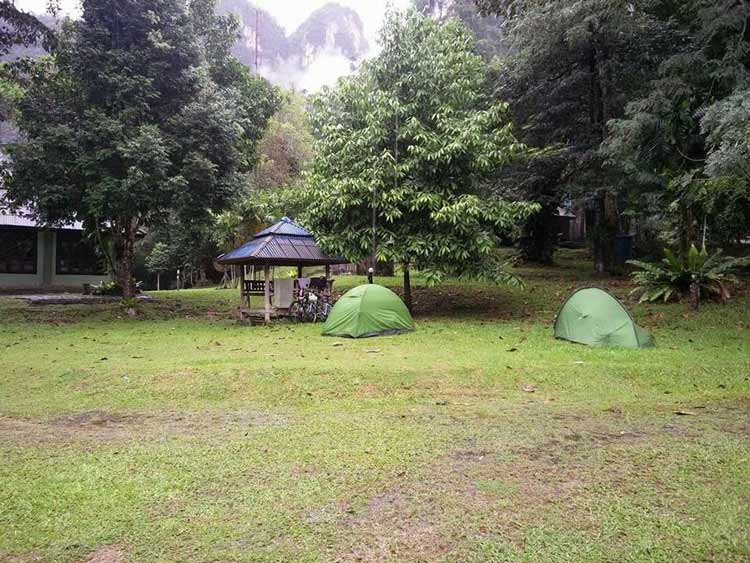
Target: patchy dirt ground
[(101, 426), (501, 485), (107, 554)]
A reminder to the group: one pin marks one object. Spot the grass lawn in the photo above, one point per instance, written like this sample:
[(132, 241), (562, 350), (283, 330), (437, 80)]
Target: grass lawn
[(180, 435)]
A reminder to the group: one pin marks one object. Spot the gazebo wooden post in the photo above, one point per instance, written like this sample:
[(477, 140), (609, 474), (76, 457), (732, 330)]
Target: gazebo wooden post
[(328, 271), (244, 298), (299, 272), (267, 293)]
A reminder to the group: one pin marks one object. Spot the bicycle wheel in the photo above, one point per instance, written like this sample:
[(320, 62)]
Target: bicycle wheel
[(325, 310), (295, 312)]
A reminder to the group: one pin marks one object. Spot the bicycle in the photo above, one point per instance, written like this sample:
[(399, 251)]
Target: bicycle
[(311, 307)]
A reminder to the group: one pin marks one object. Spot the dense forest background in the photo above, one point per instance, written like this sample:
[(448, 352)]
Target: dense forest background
[(632, 116)]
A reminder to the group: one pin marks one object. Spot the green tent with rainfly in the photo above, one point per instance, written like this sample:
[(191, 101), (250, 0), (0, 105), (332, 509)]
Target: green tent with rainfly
[(594, 317), (368, 310)]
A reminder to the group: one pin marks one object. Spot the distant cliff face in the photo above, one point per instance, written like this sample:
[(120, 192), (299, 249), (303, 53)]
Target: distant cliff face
[(487, 30), (329, 43)]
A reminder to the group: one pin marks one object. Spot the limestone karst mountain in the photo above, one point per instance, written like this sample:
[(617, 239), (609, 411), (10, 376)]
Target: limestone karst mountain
[(329, 43)]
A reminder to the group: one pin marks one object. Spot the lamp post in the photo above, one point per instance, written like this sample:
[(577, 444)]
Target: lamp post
[(374, 243)]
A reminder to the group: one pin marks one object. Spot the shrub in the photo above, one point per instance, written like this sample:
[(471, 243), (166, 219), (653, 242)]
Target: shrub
[(107, 288), (697, 274)]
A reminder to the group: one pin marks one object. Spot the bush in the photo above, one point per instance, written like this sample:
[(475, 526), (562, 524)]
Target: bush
[(107, 288), (698, 274)]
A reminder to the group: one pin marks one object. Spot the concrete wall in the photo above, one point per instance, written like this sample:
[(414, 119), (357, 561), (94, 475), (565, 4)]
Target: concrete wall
[(46, 277), (28, 280)]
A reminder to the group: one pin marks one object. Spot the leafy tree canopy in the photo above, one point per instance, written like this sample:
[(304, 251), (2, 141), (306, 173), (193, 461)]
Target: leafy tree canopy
[(415, 136), (140, 116), (573, 66), (22, 28), (687, 138)]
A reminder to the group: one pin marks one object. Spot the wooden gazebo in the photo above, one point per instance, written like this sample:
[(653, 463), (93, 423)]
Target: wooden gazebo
[(284, 244)]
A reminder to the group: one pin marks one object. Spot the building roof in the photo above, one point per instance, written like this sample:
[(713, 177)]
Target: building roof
[(24, 217), (283, 244)]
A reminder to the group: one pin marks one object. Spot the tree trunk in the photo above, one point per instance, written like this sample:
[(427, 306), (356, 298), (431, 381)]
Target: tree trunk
[(688, 235), (158, 281), (539, 240), (695, 296), (407, 288), (123, 235), (604, 233)]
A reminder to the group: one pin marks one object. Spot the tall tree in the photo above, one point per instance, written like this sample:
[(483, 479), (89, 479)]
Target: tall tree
[(402, 153), (22, 28), (139, 117), (574, 66), (286, 147), (686, 138)]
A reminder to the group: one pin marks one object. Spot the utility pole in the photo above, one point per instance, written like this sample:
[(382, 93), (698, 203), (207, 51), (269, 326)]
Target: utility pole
[(257, 73), (257, 40)]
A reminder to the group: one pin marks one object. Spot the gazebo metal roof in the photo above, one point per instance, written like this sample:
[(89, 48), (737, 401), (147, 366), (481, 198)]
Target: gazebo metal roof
[(283, 244)]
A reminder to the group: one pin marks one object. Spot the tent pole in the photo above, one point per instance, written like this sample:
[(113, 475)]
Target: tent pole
[(267, 293)]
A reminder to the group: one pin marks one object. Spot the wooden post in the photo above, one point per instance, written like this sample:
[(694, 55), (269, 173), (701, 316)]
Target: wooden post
[(244, 299), (299, 272), (267, 293), (328, 271)]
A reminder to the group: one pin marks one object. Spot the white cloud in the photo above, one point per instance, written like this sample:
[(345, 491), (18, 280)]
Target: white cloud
[(70, 7)]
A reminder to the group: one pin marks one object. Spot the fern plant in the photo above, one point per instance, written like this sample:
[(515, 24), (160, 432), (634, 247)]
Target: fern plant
[(697, 274)]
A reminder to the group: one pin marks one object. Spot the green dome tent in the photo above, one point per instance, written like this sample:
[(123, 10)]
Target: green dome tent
[(594, 317), (368, 310)]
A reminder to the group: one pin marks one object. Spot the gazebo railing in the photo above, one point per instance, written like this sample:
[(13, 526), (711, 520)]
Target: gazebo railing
[(256, 287)]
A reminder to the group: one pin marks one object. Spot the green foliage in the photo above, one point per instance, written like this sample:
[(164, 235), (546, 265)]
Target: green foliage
[(675, 275), (140, 117), (286, 146), (252, 211), (129, 303), (160, 259), (107, 288), (22, 28), (487, 30), (414, 136), (726, 126), (692, 125), (572, 67)]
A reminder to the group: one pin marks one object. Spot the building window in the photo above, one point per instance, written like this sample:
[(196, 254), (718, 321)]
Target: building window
[(76, 255), (18, 251)]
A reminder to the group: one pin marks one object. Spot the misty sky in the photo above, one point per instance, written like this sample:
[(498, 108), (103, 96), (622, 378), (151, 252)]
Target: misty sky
[(289, 13)]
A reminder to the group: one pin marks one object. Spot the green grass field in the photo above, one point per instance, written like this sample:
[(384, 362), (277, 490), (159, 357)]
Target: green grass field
[(180, 435)]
